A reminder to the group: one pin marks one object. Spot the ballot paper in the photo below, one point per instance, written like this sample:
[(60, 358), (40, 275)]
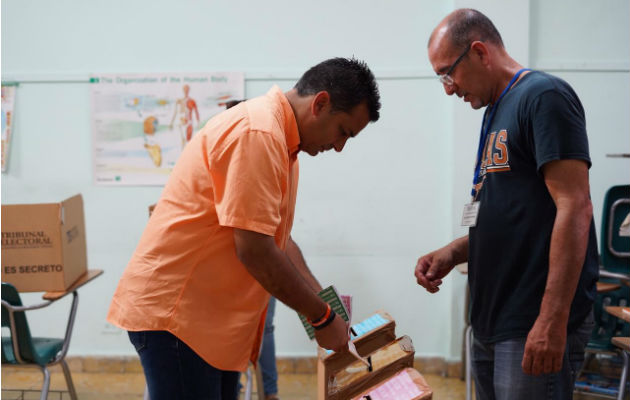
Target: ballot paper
[(332, 297), (355, 353), (400, 386), (624, 229)]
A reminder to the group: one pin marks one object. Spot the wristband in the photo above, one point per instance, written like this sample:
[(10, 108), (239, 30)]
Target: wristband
[(327, 322), (323, 318)]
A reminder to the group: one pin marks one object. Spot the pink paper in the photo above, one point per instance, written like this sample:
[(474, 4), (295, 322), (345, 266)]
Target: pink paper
[(400, 387)]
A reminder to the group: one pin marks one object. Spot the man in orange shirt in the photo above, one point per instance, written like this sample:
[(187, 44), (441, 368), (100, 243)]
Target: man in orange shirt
[(195, 292)]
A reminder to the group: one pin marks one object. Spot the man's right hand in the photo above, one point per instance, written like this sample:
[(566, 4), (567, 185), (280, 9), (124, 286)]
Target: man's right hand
[(335, 336), (431, 268)]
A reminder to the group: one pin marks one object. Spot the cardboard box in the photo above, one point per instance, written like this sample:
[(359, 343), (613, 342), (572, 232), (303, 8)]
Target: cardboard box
[(43, 245), (407, 384), (373, 333)]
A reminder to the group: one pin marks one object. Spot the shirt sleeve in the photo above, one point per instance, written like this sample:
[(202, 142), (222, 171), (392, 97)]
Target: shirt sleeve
[(249, 179), (559, 128)]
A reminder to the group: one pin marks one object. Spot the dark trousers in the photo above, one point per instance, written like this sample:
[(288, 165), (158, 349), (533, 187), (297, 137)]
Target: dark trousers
[(174, 371), (499, 376)]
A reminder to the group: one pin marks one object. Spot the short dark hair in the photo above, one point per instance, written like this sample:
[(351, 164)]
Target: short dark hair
[(467, 25), (349, 82), (232, 103)]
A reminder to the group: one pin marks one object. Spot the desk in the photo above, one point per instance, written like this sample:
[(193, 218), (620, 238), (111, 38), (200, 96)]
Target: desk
[(83, 279), (619, 312), (605, 287), (622, 342)]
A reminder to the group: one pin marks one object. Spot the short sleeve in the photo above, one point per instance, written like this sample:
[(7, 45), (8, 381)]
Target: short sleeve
[(249, 178), (559, 128)]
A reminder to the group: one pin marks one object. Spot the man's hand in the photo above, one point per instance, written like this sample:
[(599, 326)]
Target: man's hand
[(544, 348), (431, 268), (335, 336)]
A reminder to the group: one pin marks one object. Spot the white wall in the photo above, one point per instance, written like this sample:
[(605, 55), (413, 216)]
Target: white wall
[(363, 216)]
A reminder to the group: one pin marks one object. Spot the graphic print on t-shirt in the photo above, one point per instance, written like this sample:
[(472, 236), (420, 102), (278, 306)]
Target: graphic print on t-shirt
[(495, 156)]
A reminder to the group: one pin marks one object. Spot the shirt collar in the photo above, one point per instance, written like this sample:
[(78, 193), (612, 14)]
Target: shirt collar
[(289, 122)]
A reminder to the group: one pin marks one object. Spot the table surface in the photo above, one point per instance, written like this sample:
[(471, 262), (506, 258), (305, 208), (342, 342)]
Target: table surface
[(603, 287), (621, 342), (85, 278), (619, 312)]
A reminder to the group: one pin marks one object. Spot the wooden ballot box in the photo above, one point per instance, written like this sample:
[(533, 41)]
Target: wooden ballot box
[(385, 362), (369, 335), (342, 376)]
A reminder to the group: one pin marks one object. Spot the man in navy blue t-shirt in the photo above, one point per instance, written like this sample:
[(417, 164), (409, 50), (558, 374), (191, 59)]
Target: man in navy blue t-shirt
[(531, 247)]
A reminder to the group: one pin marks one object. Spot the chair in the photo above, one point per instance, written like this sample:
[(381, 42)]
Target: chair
[(614, 270), (623, 343), (23, 349), (614, 248)]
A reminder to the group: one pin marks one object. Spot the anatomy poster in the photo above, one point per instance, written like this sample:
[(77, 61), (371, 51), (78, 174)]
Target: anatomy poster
[(141, 123), (8, 107)]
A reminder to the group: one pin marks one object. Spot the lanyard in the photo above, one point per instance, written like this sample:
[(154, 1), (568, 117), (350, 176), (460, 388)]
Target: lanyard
[(485, 127)]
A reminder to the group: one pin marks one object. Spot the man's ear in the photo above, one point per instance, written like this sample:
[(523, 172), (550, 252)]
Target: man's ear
[(481, 51), (320, 102)]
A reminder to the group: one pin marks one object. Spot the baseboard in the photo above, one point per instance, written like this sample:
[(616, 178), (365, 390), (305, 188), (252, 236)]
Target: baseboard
[(286, 365)]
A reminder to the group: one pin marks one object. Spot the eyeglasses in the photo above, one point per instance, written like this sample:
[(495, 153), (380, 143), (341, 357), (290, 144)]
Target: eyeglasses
[(446, 77)]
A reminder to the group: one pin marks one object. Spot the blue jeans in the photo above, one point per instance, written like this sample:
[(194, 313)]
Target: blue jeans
[(267, 358), (174, 371), (498, 374)]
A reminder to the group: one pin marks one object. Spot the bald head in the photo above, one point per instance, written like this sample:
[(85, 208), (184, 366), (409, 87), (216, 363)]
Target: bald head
[(465, 25)]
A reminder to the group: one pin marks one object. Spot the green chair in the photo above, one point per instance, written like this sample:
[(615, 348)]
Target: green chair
[(614, 268), (23, 349), (614, 248), (615, 262)]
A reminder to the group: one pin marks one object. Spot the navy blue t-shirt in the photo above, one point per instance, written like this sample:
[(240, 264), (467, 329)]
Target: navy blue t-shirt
[(539, 120)]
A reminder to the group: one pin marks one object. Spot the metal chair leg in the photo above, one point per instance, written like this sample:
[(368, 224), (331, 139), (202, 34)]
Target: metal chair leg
[(46, 384), (468, 336), (146, 393), (260, 388), (248, 384), (624, 376), (69, 383)]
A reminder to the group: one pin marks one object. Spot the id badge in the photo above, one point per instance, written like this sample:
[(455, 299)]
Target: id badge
[(471, 212)]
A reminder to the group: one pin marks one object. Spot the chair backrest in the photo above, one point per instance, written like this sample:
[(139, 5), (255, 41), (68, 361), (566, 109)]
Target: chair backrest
[(25, 346), (615, 249)]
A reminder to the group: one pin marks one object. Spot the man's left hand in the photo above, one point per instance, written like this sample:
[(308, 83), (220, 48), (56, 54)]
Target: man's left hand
[(544, 348)]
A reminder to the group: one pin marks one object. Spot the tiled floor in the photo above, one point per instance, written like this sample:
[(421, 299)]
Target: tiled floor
[(128, 386)]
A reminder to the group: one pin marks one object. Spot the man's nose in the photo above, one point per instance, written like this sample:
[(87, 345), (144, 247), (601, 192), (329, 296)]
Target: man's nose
[(449, 89), (339, 144)]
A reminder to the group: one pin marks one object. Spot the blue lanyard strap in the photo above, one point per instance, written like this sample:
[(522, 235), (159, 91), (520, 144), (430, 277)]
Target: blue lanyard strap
[(488, 116)]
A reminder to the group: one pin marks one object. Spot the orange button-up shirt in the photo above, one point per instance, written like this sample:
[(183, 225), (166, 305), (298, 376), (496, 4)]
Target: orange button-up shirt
[(239, 171)]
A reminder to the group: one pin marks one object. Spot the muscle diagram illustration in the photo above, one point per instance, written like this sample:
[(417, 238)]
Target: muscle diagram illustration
[(185, 110)]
